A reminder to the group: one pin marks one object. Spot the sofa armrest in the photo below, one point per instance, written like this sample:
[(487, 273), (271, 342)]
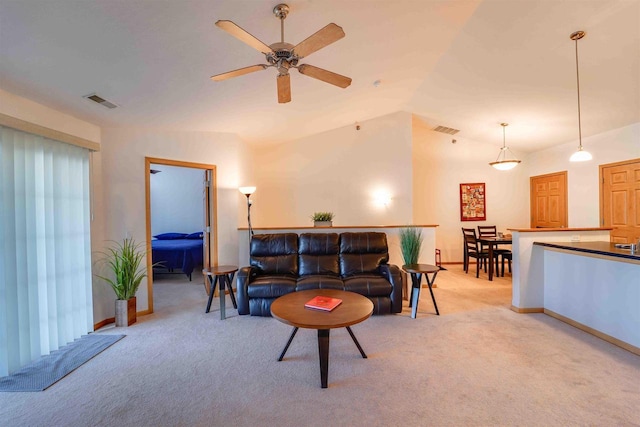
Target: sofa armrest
[(244, 277), (392, 273)]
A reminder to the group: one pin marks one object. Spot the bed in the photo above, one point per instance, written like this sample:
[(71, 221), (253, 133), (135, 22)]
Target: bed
[(172, 251)]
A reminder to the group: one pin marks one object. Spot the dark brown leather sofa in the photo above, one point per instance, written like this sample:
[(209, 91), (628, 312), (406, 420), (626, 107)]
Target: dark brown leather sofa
[(284, 263)]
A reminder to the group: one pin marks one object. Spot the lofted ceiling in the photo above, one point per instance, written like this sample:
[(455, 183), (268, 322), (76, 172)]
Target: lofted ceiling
[(468, 65)]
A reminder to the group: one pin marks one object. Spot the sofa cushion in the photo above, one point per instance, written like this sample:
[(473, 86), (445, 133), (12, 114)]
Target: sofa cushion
[(318, 254), (368, 285), (275, 253), (319, 282), (362, 253), (271, 286)]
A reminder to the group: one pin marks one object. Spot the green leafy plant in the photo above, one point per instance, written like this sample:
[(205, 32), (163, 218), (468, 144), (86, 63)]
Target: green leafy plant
[(322, 216), (410, 243), (124, 262)]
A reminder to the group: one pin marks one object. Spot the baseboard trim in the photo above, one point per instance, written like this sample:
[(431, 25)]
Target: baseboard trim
[(527, 310), (104, 323), (615, 341), (108, 320)]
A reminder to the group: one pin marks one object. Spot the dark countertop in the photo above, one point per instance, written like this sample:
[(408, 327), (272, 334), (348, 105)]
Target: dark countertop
[(600, 248), (572, 230)]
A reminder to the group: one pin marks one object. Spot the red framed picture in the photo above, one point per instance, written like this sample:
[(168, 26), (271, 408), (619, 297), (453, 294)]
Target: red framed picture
[(473, 202)]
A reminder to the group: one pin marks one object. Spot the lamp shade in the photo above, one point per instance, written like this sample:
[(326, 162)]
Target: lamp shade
[(247, 191), (580, 156), (505, 165)]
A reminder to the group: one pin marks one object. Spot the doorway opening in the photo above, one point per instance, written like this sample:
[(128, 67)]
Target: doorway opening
[(196, 219)]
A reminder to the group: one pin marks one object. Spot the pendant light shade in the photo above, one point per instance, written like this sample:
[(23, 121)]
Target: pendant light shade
[(581, 155), (502, 163)]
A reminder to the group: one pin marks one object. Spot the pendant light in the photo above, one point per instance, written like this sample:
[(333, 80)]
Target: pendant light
[(581, 155), (502, 163)]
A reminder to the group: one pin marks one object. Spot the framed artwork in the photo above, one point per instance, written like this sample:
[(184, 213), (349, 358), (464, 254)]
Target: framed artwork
[(473, 203)]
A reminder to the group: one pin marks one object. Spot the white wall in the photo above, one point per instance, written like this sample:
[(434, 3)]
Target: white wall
[(439, 167), (123, 193), (176, 200), (528, 262), (583, 187), (338, 171), (27, 110)]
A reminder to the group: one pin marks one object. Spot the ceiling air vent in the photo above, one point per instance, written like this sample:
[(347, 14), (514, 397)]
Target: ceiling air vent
[(447, 130), (95, 98)]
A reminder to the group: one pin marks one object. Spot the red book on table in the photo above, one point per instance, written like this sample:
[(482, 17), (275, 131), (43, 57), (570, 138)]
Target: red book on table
[(323, 303)]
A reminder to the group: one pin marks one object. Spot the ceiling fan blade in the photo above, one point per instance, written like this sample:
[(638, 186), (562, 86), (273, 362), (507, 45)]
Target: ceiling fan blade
[(243, 35), (324, 37), (284, 88), (238, 72), (324, 75)]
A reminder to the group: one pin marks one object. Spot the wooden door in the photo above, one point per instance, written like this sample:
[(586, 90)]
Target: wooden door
[(620, 200), (549, 200), (206, 235)]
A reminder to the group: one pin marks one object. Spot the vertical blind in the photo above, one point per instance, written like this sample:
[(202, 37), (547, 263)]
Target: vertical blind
[(45, 248)]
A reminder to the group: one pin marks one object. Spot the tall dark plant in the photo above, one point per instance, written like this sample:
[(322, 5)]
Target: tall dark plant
[(410, 243), (124, 261)]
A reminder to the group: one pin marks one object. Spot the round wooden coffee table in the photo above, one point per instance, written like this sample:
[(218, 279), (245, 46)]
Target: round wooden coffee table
[(290, 309)]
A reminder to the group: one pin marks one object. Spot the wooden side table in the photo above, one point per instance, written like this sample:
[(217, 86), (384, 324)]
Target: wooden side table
[(416, 271), (222, 274)]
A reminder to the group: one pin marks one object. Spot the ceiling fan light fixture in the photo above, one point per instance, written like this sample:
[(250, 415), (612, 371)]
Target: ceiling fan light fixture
[(283, 56), (503, 163), (581, 155)]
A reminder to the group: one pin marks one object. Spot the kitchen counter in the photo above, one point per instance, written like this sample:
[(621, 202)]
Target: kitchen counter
[(603, 249), (593, 286)]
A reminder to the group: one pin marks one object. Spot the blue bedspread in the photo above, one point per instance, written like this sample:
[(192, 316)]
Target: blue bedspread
[(184, 254)]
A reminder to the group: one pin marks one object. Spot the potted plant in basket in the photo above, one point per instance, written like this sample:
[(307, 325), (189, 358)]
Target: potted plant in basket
[(410, 243), (124, 262), (322, 219)]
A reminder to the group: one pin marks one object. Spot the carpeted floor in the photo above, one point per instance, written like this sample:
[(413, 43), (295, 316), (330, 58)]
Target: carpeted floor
[(478, 363)]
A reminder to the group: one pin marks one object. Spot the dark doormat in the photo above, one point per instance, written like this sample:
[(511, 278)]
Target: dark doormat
[(44, 372)]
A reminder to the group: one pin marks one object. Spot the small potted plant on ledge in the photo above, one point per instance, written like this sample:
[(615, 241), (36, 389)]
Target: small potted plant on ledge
[(322, 219), (410, 243), (124, 263)]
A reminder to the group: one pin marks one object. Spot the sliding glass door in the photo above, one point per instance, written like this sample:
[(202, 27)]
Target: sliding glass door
[(45, 250)]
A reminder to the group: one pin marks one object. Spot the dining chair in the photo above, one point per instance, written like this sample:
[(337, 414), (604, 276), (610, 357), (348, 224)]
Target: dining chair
[(473, 250), (465, 255), (498, 254), (508, 257)]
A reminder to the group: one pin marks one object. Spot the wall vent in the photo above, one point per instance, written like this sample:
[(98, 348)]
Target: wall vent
[(100, 100), (446, 130)]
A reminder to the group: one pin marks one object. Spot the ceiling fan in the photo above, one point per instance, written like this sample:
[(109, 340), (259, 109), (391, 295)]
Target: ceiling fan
[(284, 56)]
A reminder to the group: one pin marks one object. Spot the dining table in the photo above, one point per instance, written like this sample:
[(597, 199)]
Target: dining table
[(492, 243)]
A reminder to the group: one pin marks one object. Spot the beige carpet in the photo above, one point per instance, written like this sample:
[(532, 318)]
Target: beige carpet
[(477, 364)]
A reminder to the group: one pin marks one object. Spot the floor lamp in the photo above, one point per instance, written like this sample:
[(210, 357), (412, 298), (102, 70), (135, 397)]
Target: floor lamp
[(248, 191)]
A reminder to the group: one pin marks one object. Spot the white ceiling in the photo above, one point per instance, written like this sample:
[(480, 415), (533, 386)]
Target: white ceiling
[(469, 65)]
